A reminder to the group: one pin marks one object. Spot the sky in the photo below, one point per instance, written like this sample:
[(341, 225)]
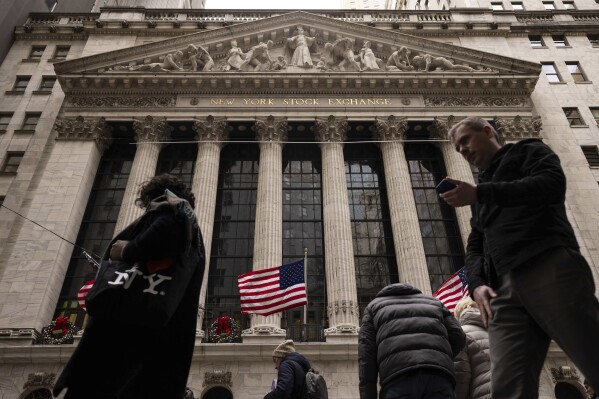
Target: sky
[(273, 4)]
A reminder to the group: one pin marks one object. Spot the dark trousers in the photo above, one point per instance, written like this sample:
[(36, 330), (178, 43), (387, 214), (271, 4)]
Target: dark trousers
[(549, 298), (420, 384)]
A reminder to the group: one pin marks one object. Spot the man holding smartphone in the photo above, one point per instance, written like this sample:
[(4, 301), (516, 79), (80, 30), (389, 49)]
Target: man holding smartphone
[(524, 267)]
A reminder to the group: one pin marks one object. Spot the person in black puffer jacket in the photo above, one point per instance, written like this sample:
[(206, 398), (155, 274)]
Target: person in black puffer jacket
[(292, 369), (408, 340)]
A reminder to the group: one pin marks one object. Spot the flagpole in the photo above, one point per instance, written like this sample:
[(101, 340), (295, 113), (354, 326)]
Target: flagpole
[(306, 283)]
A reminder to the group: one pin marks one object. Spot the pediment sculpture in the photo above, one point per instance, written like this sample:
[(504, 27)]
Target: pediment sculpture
[(300, 52)]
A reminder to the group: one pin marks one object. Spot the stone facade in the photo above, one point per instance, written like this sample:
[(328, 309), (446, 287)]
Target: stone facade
[(152, 69)]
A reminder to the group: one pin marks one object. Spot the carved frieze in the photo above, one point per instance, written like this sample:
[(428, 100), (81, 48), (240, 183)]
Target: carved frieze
[(331, 129), (518, 128), (391, 128), (211, 129), (271, 129), (123, 101), (40, 380), (564, 373), (151, 129), (452, 101), (84, 128), (218, 377)]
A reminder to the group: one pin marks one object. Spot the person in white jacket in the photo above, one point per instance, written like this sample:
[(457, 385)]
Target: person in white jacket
[(473, 364)]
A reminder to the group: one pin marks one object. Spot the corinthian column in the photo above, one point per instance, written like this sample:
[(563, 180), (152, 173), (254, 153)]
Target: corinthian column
[(457, 167), (340, 271), (268, 232), (149, 132), (211, 134), (409, 250)]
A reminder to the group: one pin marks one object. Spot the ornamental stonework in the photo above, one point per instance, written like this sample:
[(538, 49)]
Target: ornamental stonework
[(518, 128), (331, 129), (271, 129), (451, 101), (391, 128), (40, 380), (119, 101), (151, 129), (218, 377), (211, 129), (83, 129), (564, 373)]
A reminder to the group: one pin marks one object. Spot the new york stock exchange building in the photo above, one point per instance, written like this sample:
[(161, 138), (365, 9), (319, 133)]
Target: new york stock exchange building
[(320, 131)]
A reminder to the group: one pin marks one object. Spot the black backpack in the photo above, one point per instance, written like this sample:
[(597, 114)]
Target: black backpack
[(316, 386)]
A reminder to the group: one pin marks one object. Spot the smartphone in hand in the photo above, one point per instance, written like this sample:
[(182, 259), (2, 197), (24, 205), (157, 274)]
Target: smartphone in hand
[(444, 186)]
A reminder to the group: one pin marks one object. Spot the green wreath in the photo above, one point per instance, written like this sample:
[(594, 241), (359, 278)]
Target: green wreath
[(66, 332), (224, 330)]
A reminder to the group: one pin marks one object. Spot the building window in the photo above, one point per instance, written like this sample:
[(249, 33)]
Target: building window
[(61, 52), (12, 162), (30, 121), (551, 72), (2, 200), (99, 220), (595, 112), (47, 83), (549, 5), (497, 6), (576, 71), (5, 118), (536, 41), (574, 117), (21, 83), (591, 153), (559, 40), (438, 226), (179, 159), (593, 39), (517, 6), (36, 52), (569, 5)]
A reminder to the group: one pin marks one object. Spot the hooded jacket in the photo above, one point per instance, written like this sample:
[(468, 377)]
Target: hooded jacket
[(291, 377), (473, 364), (403, 331)]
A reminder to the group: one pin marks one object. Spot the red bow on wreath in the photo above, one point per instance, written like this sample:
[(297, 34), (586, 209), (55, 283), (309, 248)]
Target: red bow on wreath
[(61, 323), (223, 324)]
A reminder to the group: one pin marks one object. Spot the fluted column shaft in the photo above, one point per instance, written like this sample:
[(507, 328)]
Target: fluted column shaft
[(340, 269), (210, 133), (148, 134), (268, 230), (407, 237)]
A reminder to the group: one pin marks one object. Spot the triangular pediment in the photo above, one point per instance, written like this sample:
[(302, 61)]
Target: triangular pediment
[(273, 53)]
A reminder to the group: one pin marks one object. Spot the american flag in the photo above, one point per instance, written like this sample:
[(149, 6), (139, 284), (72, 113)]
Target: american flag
[(273, 290), (453, 290), (82, 294)]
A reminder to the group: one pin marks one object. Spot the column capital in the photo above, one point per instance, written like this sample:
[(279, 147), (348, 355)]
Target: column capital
[(151, 129), (331, 129), (391, 128), (84, 129), (518, 128), (211, 129), (271, 129)]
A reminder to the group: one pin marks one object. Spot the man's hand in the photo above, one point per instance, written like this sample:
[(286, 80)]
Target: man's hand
[(116, 250), (464, 194), (482, 296)]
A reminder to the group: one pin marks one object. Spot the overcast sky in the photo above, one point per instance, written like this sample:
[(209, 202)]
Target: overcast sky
[(274, 4)]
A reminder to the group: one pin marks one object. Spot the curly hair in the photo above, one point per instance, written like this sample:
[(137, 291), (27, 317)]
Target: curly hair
[(155, 187)]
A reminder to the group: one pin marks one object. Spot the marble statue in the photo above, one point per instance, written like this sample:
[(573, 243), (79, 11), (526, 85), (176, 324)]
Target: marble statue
[(171, 62), (429, 63), (299, 47), (341, 56), (199, 58), (258, 58), (399, 60), (368, 59), (236, 57)]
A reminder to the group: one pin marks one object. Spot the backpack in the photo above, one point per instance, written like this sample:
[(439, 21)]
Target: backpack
[(316, 386)]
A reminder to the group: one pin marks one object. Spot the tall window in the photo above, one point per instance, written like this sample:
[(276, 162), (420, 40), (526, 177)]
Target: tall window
[(21, 83), (303, 228), (574, 117), (179, 159), (12, 162), (576, 71), (61, 52), (5, 118), (99, 219), (559, 40), (31, 120), (595, 112), (551, 72), (438, 226), (36, 52), (536, 41), (591, 153), (374, 252), (233, 238), (593, 39)]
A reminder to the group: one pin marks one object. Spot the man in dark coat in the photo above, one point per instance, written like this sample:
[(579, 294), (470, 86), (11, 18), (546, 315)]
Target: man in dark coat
[(126, 361), (525, 270), (292, 369), (408, 340)]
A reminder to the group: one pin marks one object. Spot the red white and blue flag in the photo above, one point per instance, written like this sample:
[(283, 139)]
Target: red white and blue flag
[(273, 290), (453, 290), (82, 294)]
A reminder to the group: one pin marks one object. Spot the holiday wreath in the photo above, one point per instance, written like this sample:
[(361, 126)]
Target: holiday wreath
[(224, 329), (59, 331)]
